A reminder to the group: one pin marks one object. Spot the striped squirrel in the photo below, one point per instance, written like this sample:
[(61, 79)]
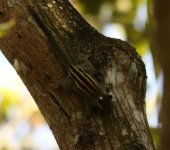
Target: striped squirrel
[(83, 82)]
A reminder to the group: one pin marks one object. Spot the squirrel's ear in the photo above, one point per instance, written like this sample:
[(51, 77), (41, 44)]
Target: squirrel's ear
[(87, 66)]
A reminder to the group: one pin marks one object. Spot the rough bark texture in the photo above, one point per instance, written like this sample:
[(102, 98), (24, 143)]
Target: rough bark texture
[(122, 124), (162, 15)]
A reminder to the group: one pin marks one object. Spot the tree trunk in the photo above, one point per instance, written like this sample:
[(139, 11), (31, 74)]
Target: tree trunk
[(162, 15), (122, 123)]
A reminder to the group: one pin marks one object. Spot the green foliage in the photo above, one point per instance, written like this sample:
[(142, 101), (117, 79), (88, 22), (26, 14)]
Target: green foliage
[(123, 12), (7, 99), (155, 135), (93, 6), (5, 27), (142, 46)]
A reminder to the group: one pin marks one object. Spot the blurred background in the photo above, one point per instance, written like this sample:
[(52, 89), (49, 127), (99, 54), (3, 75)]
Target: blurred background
[(22, 126)]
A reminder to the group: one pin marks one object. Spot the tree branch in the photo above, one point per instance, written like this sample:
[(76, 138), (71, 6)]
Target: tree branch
[(122, 124)]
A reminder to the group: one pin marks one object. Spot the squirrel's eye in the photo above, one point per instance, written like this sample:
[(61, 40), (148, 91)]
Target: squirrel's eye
[(101, 98)]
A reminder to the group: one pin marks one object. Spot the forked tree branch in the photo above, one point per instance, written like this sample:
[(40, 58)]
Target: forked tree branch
[(122, 124)]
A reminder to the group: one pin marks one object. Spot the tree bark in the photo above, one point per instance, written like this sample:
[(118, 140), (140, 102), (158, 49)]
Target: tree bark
[(162, 14), (122, 123)]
